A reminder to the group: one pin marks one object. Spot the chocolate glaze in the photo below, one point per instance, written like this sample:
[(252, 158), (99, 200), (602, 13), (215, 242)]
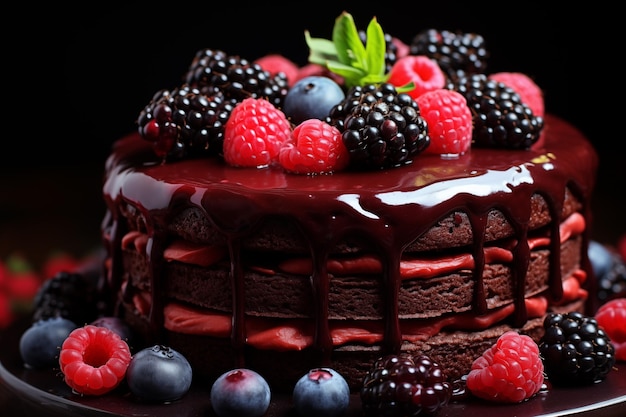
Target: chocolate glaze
[(389, 208)]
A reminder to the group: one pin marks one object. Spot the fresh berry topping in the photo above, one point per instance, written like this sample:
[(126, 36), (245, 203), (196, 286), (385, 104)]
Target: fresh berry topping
[(185, 122), (159, 374), (321, 392), (275, 64), (401, 385), (501, 119), (526, 87), (67, 294), (94, 360), (611, 316), (457, 53), (575, 349), (314, 148), (420, 70), (381, 127), (309, 70), (235, 77), (449, 121), (312, 98), (240, 393), (40, 343), (254, 134), (510, 371)]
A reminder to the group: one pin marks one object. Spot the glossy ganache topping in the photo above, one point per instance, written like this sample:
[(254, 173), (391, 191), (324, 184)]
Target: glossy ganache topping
[(419, 134)]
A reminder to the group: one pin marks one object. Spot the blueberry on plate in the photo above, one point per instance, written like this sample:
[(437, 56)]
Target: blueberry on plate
[(321, 392), (40, 344), (240, 393), (159, 374)]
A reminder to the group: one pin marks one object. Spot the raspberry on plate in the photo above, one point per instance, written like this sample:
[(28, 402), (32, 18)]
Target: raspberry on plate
[(94, 360), (611, 316), (510, 371), (314, 148), (449, 121), (254, 133)]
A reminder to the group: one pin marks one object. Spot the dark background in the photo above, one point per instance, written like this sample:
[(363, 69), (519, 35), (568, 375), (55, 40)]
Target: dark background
[(84, 74)]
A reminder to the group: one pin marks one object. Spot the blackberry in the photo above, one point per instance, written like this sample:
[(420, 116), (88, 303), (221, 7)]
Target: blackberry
[(391, 49), (236, 77), (500, 118), (69, 295), (401, 385), (457, 53), (612, 284), (575, 349), (380, 127), (185, 123)]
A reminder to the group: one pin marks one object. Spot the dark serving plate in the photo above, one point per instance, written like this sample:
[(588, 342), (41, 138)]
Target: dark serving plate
[(26, 392)]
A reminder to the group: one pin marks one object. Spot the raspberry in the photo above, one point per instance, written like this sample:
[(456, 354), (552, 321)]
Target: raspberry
[(94, 360), (523, 85), (315, 147), (611, 316), (449, 121), (509, 372), (420, 70), (254, 134)]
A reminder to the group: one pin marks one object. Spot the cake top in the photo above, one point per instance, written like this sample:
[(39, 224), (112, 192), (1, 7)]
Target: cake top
[(365, 102)]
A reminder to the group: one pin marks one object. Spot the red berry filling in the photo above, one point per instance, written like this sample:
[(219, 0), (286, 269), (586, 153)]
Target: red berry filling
[(94, 360)]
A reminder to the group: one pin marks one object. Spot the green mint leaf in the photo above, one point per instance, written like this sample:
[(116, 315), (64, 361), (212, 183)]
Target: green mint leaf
[(375, 48), (320, 50), (350, 49)]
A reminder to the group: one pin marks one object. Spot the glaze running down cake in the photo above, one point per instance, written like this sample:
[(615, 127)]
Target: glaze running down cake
[(282, 272)]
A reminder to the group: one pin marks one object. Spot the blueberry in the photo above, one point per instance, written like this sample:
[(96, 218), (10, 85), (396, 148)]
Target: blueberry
[(159, 374), (40, 344), (321, 392), (600, 258), (240, 393), (312, 97)]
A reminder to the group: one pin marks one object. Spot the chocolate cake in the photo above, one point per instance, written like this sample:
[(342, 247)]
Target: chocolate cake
[(415, 251), (282, 273)]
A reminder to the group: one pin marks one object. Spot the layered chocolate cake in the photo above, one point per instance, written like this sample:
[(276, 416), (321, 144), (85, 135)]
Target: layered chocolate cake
[(282, 271)]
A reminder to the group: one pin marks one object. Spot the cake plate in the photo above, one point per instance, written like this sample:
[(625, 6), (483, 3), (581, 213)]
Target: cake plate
[(26, 392)]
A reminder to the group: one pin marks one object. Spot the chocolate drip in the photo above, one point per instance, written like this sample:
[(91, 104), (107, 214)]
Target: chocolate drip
[(391, 209)]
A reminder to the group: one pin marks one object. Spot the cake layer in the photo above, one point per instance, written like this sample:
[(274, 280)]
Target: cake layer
[(354, 296)]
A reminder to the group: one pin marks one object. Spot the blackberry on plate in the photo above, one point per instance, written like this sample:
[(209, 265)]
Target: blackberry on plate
[(575, 349), (69, 295), (612, 283), (380, 127), (403, 385), (185, 122), (236, 77), (456, 52), (501, 119)]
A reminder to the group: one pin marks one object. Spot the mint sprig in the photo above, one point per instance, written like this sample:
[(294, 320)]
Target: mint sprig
[(346, 55)]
